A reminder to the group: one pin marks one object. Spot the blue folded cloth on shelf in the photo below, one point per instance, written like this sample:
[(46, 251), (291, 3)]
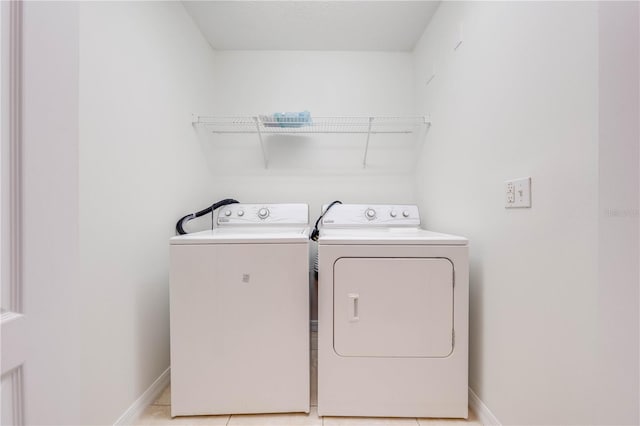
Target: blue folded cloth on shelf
[(292, 119)]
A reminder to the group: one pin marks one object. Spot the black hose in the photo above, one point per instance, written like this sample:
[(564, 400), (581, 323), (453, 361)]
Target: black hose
[(316, 232), (179, 226)]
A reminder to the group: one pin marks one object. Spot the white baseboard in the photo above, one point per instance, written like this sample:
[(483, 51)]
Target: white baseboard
[(147, 398), (486, 417)]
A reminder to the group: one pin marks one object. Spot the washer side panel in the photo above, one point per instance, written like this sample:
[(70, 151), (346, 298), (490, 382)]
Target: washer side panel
[(239, 328)]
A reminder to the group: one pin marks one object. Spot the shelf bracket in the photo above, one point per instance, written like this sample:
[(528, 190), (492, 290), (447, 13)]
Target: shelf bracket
[(366, 147), (262, 147)]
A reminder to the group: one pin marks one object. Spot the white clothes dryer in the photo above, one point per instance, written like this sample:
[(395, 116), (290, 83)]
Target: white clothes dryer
[(393, 315), (240, 313)]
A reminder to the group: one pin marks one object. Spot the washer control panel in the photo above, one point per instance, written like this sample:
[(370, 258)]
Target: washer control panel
[(260, 214), (365, 215)]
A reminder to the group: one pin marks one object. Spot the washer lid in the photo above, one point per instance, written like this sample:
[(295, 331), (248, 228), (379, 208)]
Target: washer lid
[(245, 235), (411, 236)]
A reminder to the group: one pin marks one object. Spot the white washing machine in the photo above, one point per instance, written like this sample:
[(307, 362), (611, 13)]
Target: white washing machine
[(240, 313), (393, 315)]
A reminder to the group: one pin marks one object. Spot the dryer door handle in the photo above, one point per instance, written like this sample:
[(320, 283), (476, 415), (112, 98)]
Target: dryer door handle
[(354, 307)]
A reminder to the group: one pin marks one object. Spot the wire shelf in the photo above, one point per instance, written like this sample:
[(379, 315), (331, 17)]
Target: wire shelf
[(268, 125)]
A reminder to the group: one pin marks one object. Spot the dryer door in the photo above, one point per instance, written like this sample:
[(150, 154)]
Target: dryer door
[(393, 307)]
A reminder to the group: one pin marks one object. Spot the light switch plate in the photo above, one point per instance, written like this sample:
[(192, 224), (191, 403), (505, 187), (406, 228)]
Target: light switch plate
[(517, 193)]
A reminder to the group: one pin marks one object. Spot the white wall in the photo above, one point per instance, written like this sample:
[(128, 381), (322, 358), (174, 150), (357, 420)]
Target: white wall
[(619, 182), (144, 67), (104, 113), (313, 169), (519, 97), (51, 289)]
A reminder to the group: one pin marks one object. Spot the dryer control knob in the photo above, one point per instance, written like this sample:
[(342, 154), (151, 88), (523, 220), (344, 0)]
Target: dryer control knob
[(370, 214), (393, 213), (405, 213), (263, 213), (241, 213), (227, 213)]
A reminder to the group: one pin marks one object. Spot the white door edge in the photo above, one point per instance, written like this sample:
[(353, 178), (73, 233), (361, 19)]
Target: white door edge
[(12, 320)]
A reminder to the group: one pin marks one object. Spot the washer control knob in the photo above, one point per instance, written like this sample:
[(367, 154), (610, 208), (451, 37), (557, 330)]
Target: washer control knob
[(263, 213), (240, 212), (370, 214), (227, 212), (393, 213), (405, 213)]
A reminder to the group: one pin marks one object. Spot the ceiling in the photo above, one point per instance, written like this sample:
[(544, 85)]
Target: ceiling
[(312, 24)]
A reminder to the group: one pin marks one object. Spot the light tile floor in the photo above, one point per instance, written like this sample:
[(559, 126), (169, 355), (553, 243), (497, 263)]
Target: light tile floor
[(159, 413)]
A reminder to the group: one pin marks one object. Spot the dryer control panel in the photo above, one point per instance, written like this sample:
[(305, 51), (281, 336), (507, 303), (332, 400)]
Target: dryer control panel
[(368, 215), (260, 214)]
